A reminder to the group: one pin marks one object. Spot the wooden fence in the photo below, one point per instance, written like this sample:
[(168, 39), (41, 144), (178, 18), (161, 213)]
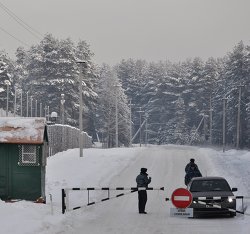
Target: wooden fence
[(64, 137)]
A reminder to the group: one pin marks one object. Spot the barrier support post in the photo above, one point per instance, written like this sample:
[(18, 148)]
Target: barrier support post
[(88, 196), (63, 201)]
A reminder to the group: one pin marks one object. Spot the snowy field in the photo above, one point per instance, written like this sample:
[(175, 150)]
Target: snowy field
[(118, 168)]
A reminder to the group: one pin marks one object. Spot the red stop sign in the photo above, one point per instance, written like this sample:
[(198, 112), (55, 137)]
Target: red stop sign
[(181, 198)]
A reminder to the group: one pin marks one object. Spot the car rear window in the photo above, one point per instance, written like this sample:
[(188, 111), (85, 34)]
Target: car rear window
[(209, 185)]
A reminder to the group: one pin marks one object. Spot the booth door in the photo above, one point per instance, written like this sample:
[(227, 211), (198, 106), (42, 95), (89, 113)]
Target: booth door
[(4, 173)]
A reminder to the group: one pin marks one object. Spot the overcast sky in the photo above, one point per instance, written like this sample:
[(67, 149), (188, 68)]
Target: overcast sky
[(120, 29)]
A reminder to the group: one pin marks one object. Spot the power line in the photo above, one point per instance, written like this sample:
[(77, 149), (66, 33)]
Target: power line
[(14, 37), (31, 30)]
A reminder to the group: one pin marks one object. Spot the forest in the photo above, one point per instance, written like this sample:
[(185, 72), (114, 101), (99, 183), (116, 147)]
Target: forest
[(190, 102)]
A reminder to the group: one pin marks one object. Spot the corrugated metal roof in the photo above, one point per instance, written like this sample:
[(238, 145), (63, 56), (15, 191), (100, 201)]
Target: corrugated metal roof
[(21, 130)]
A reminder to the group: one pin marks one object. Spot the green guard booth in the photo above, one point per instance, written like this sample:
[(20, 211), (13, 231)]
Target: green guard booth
[(23, 156)]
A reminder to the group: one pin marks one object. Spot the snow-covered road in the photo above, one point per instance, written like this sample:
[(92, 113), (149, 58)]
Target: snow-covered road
[(119, 168), (166, 167)]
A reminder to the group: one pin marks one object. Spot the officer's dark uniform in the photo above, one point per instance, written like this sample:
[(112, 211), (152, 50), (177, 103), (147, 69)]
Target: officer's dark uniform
[(142, 180), (191, 170)]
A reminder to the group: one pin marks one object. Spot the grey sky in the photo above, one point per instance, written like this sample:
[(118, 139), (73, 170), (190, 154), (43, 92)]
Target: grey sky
[(146, 29)]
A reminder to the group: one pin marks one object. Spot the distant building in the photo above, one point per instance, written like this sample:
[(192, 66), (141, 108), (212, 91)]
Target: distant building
[(23, 155)]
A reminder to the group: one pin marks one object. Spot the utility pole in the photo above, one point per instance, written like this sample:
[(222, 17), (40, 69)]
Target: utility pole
[(205, 125), (238, 120), (7, 91), (7, 110), (116, 115), (116, 119), (82, 64), (36, 109), (138, 130), (27, 104), (21, 103), (224, 125), (190, 142), (146, 130), (45, 112), (130, 123), (48, 114), (31, 106), (80, 112), (41, 107), (62, 104), (140, 112), (15, 103), (211, 122)]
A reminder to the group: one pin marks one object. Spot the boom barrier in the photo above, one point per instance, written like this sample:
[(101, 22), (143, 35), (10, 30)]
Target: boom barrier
[(65, 195), (201, 200), (208, 201)]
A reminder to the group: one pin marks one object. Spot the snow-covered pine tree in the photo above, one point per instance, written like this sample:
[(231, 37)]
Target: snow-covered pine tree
[(6, 79), (236, 72), (132, 74), (20, 74), (193, 94), (90, 81), (108, 86)]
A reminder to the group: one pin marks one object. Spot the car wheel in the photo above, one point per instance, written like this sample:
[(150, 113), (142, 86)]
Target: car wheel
[(232, 214), (195, 214)]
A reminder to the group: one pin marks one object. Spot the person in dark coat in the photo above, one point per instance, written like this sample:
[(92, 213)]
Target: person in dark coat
[(192, 171), (191, 163), (142, 181)]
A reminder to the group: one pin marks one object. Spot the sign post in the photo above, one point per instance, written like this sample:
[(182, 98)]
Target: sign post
[(181, 199)]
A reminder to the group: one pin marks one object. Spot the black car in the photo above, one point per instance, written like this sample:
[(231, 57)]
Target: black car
[(212, 195)]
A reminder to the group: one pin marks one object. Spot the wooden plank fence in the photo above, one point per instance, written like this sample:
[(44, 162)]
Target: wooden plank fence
[(64, 137)]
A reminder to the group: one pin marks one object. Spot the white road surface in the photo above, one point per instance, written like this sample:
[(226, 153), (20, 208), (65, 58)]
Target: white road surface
[(166, 167)]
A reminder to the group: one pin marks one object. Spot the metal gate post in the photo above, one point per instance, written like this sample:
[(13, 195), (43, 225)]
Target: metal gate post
[(63, 201)]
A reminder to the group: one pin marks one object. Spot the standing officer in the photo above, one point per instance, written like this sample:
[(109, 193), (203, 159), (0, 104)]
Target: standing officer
[(142, 181)]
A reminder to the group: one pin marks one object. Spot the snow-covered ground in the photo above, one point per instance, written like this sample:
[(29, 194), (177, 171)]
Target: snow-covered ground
[(3, 112), (119, 167)]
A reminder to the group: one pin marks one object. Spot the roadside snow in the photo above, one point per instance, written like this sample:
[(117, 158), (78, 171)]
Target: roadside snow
[(109, 167)]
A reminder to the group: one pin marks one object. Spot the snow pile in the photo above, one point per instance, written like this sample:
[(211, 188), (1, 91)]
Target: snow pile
[(20, 128)]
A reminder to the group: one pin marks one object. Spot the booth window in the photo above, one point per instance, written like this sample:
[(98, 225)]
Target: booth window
[(28, 155)]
